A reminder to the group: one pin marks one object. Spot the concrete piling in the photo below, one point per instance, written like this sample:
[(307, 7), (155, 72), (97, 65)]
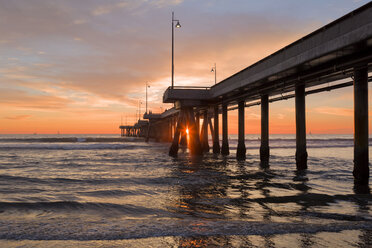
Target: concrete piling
[(264, 149), (183, 133), (194, 139), (216, 139), (173, 151), (241, 150), (361, 159), (204, 132), (225, 142), (301, 153)]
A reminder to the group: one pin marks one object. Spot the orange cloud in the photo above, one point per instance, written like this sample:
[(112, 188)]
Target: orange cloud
[(20, 99), (17, 117), (334, 111)]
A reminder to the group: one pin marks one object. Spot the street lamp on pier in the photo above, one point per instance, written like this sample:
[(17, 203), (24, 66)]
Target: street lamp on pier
[(147, 86), (214, 69), (178, 25), (139, 109)]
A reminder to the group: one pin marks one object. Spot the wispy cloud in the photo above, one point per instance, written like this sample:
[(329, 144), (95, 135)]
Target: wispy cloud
[(334, 111), (17, 117)]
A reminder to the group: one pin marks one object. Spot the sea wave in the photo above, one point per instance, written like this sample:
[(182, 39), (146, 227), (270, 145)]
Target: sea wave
[(70, 146), (127, 209), (70, 140), (98, 143), (133, 229)]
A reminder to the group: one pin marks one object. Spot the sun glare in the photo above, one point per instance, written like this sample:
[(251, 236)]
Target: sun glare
[(187, 130)]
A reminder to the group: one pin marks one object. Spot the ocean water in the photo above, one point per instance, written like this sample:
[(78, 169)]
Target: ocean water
[(108, 191)]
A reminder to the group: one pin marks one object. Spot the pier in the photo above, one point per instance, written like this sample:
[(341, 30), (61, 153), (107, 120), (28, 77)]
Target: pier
[(339, 52)]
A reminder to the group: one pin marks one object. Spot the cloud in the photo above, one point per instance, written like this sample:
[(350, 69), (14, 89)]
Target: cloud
[(106, 9), (19, 99), (334, 111), (79, 21), (17, 117)]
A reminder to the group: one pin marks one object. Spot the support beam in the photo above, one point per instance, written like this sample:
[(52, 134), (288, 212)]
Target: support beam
[(361, 159), (225, 142), (174, 125), (169, 130), (241, 150), (301, 153), (264, 149), (148, 132), (216, 138), (211, 127), (173, 151), (183, 141), (194, 139), (204, 133), (197, 121)]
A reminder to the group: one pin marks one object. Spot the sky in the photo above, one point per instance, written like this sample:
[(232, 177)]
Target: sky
[(81, 66)]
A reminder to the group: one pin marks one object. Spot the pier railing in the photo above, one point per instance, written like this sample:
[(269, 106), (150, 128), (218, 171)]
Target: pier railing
[(189, 88)]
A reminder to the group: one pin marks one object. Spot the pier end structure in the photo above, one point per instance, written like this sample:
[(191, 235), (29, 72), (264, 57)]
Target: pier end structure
[(186, 100)]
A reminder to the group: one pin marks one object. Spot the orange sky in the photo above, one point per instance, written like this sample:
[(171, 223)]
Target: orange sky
[(81, 67)]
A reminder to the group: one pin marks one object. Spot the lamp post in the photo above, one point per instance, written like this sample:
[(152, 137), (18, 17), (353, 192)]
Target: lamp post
[(147, 86), (214, 69), (139, 109), (178, 25)]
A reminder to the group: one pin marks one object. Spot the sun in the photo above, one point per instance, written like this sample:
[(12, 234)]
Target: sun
[(187, 131)]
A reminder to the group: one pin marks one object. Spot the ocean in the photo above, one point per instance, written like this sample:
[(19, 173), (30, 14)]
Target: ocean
[(111, 191)]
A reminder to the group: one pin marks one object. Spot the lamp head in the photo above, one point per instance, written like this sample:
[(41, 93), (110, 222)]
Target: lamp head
[(178, 25), (212, 70)]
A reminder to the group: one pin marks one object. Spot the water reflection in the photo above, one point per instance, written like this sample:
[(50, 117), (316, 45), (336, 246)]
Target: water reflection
[(219, 188), (365, 236)]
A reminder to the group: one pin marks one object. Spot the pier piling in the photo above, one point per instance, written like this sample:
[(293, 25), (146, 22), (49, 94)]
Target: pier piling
[(361, 167), (301, 153), (194, 139), (216, 138), (225, 142), (197, 122), (241, 150), (204, 135), (183, 133), (264, 149), (173, 151)]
